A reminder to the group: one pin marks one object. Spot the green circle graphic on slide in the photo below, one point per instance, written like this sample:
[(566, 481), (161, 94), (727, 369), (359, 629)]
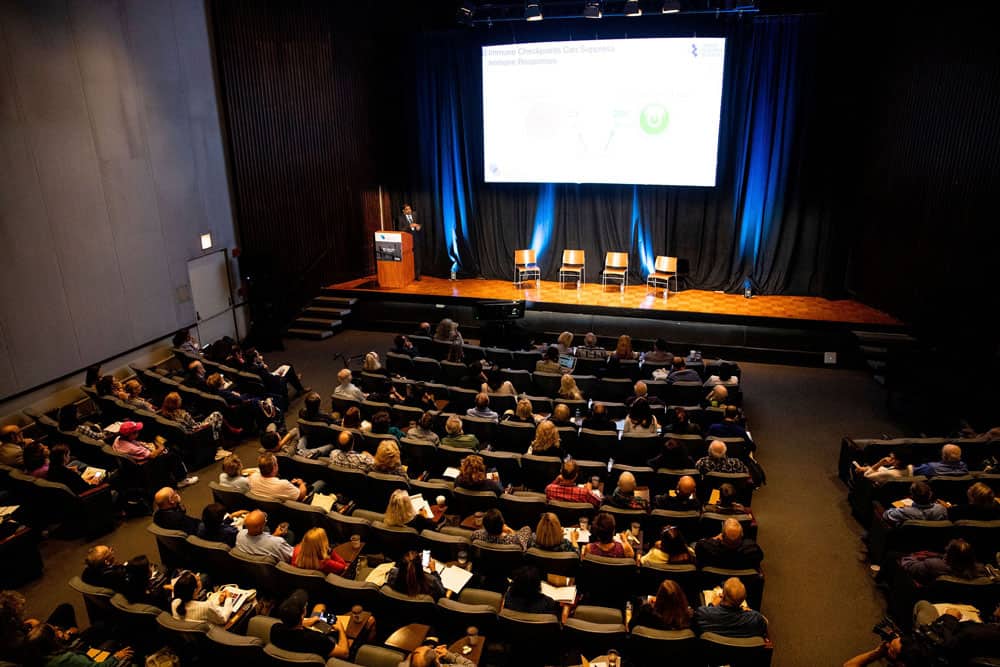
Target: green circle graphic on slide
[(654, 118)]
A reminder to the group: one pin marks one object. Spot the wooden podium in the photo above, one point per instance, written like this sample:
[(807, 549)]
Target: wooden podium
[(394, 258)]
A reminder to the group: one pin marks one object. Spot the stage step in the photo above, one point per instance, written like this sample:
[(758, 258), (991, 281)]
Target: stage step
[(328, 297), (309, 334), (316, 323), (316, 310)]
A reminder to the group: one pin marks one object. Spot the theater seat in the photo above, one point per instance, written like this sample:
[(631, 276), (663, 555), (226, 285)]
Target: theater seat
[(378, 656), (172, 545), (454, 616), (584, 637), (186, 638), (96, 600), (607, 581), (565, 563), (648, 646), (279, 657), (736, 651), (224, 647), (529, 637)]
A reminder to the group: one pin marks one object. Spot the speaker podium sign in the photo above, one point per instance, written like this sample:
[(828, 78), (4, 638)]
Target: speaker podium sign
[(394, 258)]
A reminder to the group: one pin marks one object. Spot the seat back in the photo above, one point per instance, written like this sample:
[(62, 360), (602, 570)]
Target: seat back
[(357, 592), (984, 536), (573, 258), (211, 557), (172, 545), (752, 580), (466, 502), (394, 541), (569, 513), (595, 445), (313, 582), (495, 562), (538, 471), (443, 548), (664, 264), (224, 646), (339, 527), (187, 638), (380, 487), (231, 498), (607, 581), (522, 508), (454, 616), (546, 384), (581, 637), (686, 575), (529, 636), (524, 257), (96, 599), (514, 437), (484, 429), (565, 563), (397, 609), (737, 651), (647, 646), (253, 571), (637, 449), (378, 656), (507, 464), (279, 657), (616, 260)]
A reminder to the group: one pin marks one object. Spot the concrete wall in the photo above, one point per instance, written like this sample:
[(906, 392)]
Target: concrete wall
[(111, 167)]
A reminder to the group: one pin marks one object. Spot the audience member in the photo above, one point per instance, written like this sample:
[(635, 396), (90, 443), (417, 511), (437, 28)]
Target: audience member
[(549, 535), (346, 389), (215, 609), (982, 505), (273, 442), (682, 424), (717, 397), (565, 488), (922, 507), (624, 494), (254, 539), (561, 416), (683, 499), (717, 461), (455, 437), (599, 419), (44, 644), (424, 430), (232, 474), (729, 549), (950, 464), (195, 375), (730, 427), (217, 526), (681, 373), (623, 350), (277, 381), (382, 425), (496, 531), (170, 512), (109, 385), (525, 593), (546, 442), (725, 615), (102, 569), (409, 578), (958, 560), (447, 332), (433, 656), (127, 443), (403, 345), (482, 408), (660, 354), (387, 459), (670, 549), (144, 582), (640, 418), (312, 410), (172, 410), (266, 483), (344, 455), (549, 363), (673, 455), (590, 349), (36, 459), (69, 422), (314, 553), (352, 420), (524, 413), (293, 632), (727, 502), (12, 444), (669, 610), (63, 471), (568, 390), (472, 476), (602, 539), (133, 391), (184, 342), (641, 390), (893, 466), (399, 512), (564, 344)]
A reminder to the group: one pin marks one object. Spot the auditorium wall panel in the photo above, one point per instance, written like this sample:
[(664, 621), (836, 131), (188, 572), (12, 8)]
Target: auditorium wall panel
[(112, 166)]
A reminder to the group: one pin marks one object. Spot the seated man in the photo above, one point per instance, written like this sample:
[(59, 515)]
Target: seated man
[(727, 502), (346, 388), (681, 373), (589, 349), (102, 569), (12, 446), (660, 353), (893, 466), (951, 463), (599, 419), (432, 656), (293, 633), (344, 455), (403, 345), (312, 412), (184, 342), (624, 494), (728, 549), (254, 539), (134, 390), (641, 390), (196, 375), (267, 484), (922, 507), (683, 499), (561, 416), (729, 427), (724, 616), (274, 382), (549, 363), (717, 461), (171, 514), (455, 437), (495, 531), (564, 487), (482, 409)]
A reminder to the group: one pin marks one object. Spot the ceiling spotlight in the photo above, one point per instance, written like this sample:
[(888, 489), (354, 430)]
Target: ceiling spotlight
[(671, 6), (466, 10), (532, 11), (632, 8), (592, 10)]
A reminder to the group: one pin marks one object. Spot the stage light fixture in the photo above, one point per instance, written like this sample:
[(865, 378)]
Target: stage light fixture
[(466, 11), (533, 11), (632, 8), (592, 10), (670, 7)]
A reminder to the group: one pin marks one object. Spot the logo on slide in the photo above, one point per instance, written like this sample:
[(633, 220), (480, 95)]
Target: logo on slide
[(653, 118)]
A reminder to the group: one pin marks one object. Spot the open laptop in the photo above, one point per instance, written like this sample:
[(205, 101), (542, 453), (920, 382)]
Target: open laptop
[(567, 361)]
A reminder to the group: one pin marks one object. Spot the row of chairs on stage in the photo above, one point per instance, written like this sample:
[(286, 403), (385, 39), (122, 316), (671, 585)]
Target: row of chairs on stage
[(573, 269)]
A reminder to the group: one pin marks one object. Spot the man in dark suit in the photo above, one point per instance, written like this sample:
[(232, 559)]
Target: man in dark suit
[(407, 222)]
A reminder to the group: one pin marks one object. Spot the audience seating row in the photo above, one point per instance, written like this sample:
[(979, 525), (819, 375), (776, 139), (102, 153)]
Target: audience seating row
[(920, 450)]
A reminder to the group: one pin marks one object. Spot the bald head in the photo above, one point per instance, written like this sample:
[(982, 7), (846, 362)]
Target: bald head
[(255, 522), (732, 531), (166, 498), (9, 433), (640, 388), (733, 592), (345, 441), (626, 482), (951, 453), (98, 555), (717, 450), (686, 485), (424, 656)]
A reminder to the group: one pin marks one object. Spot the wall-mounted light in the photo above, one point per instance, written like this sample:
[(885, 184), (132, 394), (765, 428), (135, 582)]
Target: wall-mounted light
[(532, 11), (206, 241), (632, 8)]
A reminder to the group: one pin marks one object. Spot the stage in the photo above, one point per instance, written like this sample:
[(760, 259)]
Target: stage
[(794, 329)]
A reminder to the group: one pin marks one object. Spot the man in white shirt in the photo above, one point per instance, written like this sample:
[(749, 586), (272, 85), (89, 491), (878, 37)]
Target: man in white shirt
[(267, 484), (254, 539), (346, 388), (886, 468)]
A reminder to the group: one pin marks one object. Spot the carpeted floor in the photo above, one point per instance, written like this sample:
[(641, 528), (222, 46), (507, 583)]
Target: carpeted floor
[(818, 597)]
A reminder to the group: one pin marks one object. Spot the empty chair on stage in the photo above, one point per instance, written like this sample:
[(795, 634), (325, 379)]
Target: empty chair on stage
[(664, 269), (615, 268), (573, 267), (525, 266)]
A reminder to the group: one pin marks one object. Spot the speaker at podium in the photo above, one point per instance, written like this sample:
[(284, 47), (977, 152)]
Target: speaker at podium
[(394, 259)]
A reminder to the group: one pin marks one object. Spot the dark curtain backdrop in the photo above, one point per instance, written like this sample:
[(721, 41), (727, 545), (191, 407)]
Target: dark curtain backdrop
[(765, 219)]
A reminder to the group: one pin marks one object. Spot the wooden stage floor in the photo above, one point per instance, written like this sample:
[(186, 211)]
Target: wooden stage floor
[(635, 297)]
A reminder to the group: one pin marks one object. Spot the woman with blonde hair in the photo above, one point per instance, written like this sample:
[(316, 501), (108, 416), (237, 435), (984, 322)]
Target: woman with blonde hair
[(314, 553), (472, 476), (568, 389), (171, 409), (387, 459), (565, 343), (550, 537), (399, 512), (372, 364), (524, 413), (546, 439), (447, 331)]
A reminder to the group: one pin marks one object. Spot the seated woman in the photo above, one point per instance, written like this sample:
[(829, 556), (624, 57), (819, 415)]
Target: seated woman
[(670, 549), (640, 418), (525, 593), (232, 474), (382, 425), (143, 583), (312, 410), (564, 343), (669, 610), (400, 512), (549, 363), (63, 470), (185, 606), (549, 535), (172, 410), (472, 476), (568, 389), (447, 332), (387, 459), (409, 578), (673, 455), (419, 396), (314, 553), (603, 543), (352, 419), (546, 442), (958, 560), (372, 364), (523, 413), (109, 385), (69, 422), (215, 526), (982, 505), (36, 459), (623, 350), (424, 430), (682, 425)]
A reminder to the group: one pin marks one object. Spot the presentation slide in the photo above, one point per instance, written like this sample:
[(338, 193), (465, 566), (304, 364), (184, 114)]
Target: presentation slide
[(642, 111)]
